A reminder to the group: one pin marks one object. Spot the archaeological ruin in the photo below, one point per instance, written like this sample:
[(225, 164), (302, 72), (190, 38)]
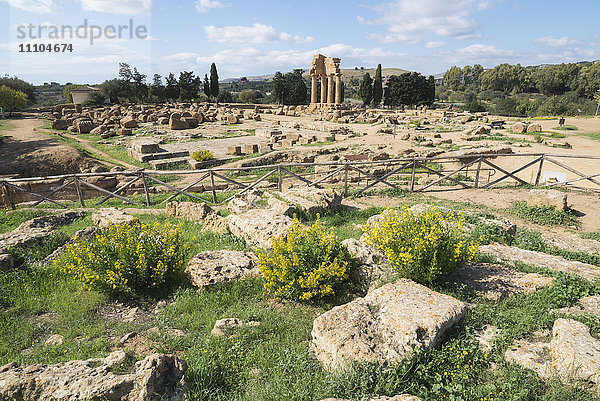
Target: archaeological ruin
[(328, 70)]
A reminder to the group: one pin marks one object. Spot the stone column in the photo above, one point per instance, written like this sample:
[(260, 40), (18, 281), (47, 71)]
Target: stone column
[(313, 90), (338, 89), (330, 98), (323, 90)]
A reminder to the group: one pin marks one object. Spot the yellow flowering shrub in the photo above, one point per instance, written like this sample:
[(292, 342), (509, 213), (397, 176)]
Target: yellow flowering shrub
[(202, 155), (422, 246), (130, 259), (308, 264)]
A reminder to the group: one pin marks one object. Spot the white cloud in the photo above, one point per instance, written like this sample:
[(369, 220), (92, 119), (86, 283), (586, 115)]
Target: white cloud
[(235, 61), (205, 5), (257, 33), (551, 41), (435, 45), (410, 21), (126, 7), (33, 6), (479, 53)]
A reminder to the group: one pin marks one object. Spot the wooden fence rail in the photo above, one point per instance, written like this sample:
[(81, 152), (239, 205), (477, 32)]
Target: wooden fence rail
[(449, 172)]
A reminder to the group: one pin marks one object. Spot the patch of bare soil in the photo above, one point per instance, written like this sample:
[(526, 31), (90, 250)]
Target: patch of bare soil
[(28, 152)]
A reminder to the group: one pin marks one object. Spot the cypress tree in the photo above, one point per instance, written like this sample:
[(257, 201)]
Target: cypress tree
[(214, 81), (206, 85), (377, 87), (365, 90)]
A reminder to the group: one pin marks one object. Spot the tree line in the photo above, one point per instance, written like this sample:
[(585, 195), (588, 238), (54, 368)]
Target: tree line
[(408, 89), (568, 88)]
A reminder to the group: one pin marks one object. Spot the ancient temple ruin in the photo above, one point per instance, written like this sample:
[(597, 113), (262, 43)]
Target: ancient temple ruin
[(328, 70)]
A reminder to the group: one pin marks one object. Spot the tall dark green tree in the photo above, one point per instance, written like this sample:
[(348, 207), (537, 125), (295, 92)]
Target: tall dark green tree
[(279, 87), (365, 90), (214, 81), (172, 88), (111, 89), (140, 89), (290, 88), (206, 86), (377, 87), (189, 85), (407, 89), (157, 89)]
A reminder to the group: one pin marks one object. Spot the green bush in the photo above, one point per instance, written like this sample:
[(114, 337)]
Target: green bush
[(544, 215), (202, 155), (309, 263), (422, 246), (132, 260)]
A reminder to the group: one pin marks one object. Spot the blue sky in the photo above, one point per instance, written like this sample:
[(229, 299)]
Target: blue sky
[(254, 37)]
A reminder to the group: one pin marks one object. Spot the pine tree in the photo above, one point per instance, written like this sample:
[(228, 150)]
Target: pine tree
[(214, 81), (365, 90), (377, 87)]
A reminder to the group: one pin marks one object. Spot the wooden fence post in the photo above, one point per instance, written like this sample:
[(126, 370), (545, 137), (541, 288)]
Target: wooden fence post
[(6, 190), (212, 183), (279, 179), (79, 192), (539, 172), (412, 176), (146, 194), (346, 181)]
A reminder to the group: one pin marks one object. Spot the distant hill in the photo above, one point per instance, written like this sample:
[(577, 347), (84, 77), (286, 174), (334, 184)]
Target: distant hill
[(347, 74)]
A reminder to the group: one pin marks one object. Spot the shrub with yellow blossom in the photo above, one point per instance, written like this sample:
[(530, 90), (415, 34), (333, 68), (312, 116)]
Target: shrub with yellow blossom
[(202, 155), (130, 259), (422, 246), (307, 264)]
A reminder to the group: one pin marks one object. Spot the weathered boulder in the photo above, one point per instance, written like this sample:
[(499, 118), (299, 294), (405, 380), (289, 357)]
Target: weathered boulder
[(572, 353), (84, 126), (215, 224), (59, 124), (547, 197), (534, 128), (157, 377), (551, 262), (259, 226), (216, 267), (188, 210), (280, 206), (494, 281), (224, 326), (385, 326), (33, 231), (104, 218), (519, 128), (129, 122), (177, 124), (145, 145), (312, 200), (244, 202)]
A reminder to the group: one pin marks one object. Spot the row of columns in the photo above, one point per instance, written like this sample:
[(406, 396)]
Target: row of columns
[(327, 92)]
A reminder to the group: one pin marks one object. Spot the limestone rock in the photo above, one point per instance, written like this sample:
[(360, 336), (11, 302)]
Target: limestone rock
[(59, 124), (519, 128), (128, 122), (244, 202), (385, 326), (363, 253), (534, 128), (547, 197), (259, 226), (224, 326), (587, 305), (494, 281), (574, 352), (280, 206), (215, 224), (571, 353), (175, 123), (216, 267), (323, 198), (188, 210), (109, 216), (555, 263), (55, 340), (157, 377)]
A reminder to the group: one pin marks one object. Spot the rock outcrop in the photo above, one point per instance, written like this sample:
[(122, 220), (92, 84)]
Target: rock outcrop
[(216, 267), (188, 210), (555, 263), (385, 326), (112, 216), (157, 377), (259, 226), (547, 197)]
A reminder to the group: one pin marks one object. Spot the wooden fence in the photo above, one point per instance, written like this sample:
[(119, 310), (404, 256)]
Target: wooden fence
[(415, 175)]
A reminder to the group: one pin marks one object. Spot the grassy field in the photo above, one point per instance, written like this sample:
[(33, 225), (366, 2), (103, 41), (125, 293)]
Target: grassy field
[(272, 361)]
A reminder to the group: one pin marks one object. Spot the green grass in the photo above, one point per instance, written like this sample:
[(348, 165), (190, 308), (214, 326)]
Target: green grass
[(567, 128), (77, 145), (11, 219), (595, 135), (271, 361), (595, 235), (544, 215)]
